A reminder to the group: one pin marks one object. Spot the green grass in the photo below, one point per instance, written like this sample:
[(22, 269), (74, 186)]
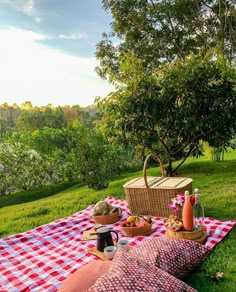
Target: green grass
[(216, 180)]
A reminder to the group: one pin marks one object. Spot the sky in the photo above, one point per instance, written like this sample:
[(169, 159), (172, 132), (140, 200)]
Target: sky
[(47, 51)]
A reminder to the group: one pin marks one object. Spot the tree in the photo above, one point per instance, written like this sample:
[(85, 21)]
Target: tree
[(29, 120), (53, 117), (27, 105), (47, 140), (53, 147), (90, 156), (160, 31), (10, 114), (172, 109), (77, 113), (3, 126), (7, 169), (21, 168), (37, 118), (30, 171)]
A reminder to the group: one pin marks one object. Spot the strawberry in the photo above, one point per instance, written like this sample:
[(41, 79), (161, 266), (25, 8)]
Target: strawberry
[(192, 199), (140, 222)]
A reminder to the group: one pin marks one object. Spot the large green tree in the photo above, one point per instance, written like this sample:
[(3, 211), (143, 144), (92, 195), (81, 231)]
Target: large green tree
[(171, 109), (158, 31)]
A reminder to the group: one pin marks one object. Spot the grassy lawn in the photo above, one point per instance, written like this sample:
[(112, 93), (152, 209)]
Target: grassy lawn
[(217, 182)]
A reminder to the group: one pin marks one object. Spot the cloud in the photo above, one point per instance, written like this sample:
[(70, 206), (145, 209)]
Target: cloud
[(73, 36), (14, 35), (38, 19), (32, 71), (25, 6)]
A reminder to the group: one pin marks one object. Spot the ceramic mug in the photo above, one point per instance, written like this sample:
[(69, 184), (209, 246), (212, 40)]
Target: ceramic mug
[(110, 251), (123, 243)]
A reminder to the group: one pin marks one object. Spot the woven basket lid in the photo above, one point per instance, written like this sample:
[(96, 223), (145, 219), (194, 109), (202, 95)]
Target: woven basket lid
[(159, 182)]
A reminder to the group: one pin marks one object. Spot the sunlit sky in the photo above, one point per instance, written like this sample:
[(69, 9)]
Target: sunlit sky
[(47, 51)]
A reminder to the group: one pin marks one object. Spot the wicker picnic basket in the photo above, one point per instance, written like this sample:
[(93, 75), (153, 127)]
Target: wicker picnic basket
[(149, 195)]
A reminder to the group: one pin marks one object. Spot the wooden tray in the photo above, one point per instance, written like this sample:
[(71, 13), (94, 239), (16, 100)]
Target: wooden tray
[(98, 253), (89, 234), (197, 235)]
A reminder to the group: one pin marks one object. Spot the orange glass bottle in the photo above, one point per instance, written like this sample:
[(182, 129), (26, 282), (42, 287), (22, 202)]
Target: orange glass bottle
[(188, 213)]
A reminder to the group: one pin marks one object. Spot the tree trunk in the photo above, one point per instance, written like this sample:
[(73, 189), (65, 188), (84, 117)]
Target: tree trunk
[(169, 171)]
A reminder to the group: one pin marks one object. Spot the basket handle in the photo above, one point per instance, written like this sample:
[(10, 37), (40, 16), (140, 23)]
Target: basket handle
[(146, 164)]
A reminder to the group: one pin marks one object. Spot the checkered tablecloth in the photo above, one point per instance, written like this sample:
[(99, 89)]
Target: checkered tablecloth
[(42, 258)]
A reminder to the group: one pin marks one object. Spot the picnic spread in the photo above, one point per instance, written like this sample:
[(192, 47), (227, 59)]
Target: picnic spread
[(41, 259)]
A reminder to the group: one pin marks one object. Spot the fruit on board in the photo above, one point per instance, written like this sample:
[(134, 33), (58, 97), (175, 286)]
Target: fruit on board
[(136, 221), (131, 219), (141, 222)]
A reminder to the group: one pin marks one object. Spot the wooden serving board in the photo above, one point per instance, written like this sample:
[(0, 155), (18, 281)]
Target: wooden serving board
[(89, 234), (197, 235), (98, 253)]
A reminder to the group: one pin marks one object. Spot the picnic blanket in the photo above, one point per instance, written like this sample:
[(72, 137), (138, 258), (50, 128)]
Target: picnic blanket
[(42, 258)]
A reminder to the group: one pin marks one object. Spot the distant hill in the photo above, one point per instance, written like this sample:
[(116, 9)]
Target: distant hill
[(10, 113)]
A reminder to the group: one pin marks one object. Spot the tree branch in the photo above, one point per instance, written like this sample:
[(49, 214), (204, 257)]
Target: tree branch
[(194, 139), (182, 147), (152, 3), (185, 157), (209, 7), (166, 132), (165, 146), (173, 115)]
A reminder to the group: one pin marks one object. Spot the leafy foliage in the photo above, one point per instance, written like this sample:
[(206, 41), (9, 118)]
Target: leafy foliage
[(170, 110), (21, 168), (50, 155), (36, 118), (92, 159), (161, 31)]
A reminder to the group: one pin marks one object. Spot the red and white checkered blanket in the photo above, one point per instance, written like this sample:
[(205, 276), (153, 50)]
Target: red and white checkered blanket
[(42, 258)]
